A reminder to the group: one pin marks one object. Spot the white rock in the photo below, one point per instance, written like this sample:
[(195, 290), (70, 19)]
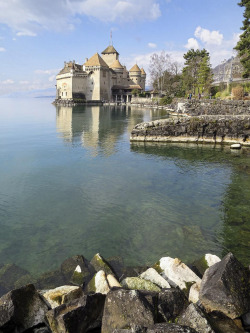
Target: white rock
[(211, 259), (101, 283), (177, 273), (194, 292), (152, 275), (78, 269), (112, 281), (235, 146), (57, 296)]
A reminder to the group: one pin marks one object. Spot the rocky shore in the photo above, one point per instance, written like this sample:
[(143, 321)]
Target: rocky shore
[(209, 296)]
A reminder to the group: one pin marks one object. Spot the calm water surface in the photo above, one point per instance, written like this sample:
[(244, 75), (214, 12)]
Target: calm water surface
[(71, 183)]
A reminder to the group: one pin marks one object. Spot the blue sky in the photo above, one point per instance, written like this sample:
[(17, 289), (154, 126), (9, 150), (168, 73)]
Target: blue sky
[(36, 37)]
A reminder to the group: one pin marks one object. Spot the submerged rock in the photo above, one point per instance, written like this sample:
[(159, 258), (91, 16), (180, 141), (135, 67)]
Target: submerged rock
[(21, 309), (152, 275), (137, 283), (80, 315), (177, 273), (61, 295), (195, 318), (225, 288), (125, 308)]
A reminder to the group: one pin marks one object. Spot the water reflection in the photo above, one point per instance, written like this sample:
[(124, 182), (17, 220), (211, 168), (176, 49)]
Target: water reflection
[(100, 128)]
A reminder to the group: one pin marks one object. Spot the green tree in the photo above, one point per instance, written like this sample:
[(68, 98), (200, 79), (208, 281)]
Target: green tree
[(196, 73), (243, 45)]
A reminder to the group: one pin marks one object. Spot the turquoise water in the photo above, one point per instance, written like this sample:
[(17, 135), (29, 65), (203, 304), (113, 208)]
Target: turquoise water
[(71, 183)]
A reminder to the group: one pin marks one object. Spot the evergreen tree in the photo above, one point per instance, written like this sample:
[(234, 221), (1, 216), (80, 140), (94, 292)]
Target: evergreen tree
[(197, 73), (243, 45)]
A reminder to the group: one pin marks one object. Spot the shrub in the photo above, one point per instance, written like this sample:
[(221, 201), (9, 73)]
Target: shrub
[(218, 94), (166, 100), (238, 92)]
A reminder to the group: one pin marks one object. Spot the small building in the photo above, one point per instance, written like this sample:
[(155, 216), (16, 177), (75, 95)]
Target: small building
[(100, 78)]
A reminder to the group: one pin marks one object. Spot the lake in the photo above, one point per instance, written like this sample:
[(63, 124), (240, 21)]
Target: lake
[(71, 183)]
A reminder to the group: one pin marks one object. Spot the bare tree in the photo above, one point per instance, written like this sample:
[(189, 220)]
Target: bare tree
[(159, 64)]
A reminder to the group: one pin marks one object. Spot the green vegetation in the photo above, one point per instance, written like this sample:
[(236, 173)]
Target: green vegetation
[(197, 72), (166, 100), (243, 44)]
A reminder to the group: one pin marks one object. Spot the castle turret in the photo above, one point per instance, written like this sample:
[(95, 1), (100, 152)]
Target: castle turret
[(135, 74), (110, 54), (143, 78)]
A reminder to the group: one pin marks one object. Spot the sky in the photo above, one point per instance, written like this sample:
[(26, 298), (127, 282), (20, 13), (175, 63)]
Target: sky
[(37, 36)]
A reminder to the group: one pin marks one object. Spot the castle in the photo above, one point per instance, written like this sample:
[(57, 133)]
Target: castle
[(100, 78)]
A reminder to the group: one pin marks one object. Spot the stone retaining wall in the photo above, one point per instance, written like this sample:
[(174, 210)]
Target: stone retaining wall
[(202, 129)]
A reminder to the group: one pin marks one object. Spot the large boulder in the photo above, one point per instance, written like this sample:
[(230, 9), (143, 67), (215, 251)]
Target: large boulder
[(61, 295), (194, 292), (99, 263), (171, 303), (223, 324), (137, 283), (170, 328), (152, 275), (177, 273), (22, 309), (77, 270), (195, 318), (80, 315), (125, 308), (225, 288)]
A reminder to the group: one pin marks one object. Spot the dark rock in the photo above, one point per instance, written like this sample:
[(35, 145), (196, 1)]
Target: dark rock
[(225, 288), (22, 309), (125, 308), (50, 280), (9, 274), (78, 316), (170, 328), (195, 318), (84, 275), (223, 324), (171, 302), (99, 263)]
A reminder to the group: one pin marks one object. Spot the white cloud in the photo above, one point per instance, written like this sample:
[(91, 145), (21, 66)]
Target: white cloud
[(46, 71), (27, 17), (208, 37), (7, 82), (152, 45), (24, 82), (2, 49), (192, 44)]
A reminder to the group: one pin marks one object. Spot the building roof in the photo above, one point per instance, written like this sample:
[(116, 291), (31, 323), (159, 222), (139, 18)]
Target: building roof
[(96, 60), (128, 87), (135, 68), (110, 49), (143, 72), (68, 66), (116, 65)]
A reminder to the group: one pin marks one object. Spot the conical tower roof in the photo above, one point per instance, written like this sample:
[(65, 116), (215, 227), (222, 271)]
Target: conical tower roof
[(116, 65), (143, 72), (135, 68), (110, 49), (96, 60)]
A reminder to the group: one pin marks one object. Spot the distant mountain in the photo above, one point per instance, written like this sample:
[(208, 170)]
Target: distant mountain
[(43, 93)]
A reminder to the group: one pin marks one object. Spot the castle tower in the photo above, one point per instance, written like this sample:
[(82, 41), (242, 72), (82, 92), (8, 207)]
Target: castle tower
[(118, 69), (109, 55), (143, 79), (135, 74), (98, 78)]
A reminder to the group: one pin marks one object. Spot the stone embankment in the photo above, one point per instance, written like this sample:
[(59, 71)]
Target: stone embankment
[(223, 122), (210, 296)]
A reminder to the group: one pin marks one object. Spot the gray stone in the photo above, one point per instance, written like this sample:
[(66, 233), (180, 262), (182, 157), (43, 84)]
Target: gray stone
[(194, 293), (170, 328), (225, 288), (152, 275), (137, 283), (195, 318), (22, 309), (223, 324), (99, 263), (61, 295), (78, 316), (125, 308), (171, 303)]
